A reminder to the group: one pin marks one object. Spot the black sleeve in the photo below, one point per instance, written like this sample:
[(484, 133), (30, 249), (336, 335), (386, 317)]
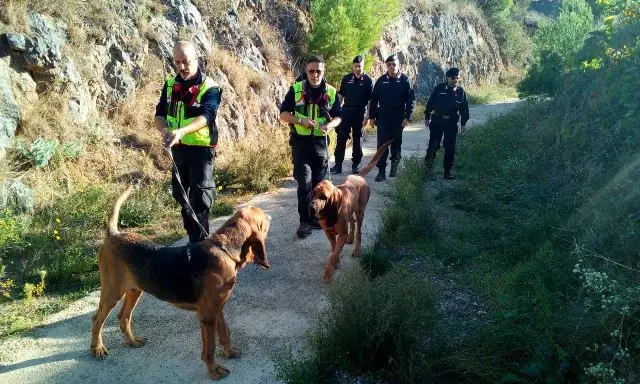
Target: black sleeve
[(464, 109), (368, 88), (210, 102), (342, 86), (410, 103), (375, 98), (161, 107), (431, 103), (336, 111), (289, 104)]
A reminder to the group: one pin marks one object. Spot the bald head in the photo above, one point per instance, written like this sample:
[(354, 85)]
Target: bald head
[(185, 59)]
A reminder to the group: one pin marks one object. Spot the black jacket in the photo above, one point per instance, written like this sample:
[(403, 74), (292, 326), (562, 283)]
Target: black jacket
[(392, 95), (447, 102), (356, 91)]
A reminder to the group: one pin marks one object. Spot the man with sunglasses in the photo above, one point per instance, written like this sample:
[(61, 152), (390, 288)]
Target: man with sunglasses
[(391, 107), (446, 106), (313, 109), (186, 116), (355, 89)]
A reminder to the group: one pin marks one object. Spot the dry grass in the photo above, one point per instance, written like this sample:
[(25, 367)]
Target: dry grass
[(212, 10), (13, 16), (243, 79)]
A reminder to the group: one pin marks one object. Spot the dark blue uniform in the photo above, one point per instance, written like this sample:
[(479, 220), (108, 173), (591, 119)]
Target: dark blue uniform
[(392, 101), (446, 106), (356, 93)]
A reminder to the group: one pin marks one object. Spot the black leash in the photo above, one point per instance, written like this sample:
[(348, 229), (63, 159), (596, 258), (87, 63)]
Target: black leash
[(184, 193)]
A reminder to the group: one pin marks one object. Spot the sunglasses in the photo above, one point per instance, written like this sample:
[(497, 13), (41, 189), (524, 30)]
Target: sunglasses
[(312, 71), (392, 65)]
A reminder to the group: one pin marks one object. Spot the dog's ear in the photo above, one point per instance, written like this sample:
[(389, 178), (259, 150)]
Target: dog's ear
[(254, 250)]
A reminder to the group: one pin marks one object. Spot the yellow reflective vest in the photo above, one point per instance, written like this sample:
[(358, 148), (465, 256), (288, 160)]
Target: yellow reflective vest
[(305, 108), (176, 118)]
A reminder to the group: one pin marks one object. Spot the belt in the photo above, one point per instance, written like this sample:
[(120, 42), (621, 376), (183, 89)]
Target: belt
[(445, 117)]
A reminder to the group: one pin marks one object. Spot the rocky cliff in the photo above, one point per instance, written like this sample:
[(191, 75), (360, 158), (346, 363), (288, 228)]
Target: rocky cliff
[(429, 41)]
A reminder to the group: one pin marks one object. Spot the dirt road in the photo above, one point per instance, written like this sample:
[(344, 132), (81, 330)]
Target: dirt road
[(268, 311)]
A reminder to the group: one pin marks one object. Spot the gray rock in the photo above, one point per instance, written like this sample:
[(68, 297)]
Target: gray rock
[(16, 196), (428, 44), (44, 51), (17, 42), (9, 109)]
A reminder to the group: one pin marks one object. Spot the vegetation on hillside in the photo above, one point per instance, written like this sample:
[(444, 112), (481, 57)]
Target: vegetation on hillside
[(542, 227)]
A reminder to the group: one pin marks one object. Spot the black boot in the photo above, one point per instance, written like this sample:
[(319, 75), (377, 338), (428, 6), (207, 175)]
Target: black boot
[(447, 172), (394, 168), (336, 169), (429, 163), (354, 169), (381, 175)]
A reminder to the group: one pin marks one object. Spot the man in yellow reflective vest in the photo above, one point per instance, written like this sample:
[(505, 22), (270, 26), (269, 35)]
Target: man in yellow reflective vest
[(186, 116), (313, 110)]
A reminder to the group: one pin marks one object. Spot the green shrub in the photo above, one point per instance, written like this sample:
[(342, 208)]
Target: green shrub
[(342, 29), (556, 45), (39, 152), (368, 324)]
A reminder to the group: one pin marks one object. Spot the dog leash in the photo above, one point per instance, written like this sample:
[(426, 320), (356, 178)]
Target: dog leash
[(326, 141), (184, 193)]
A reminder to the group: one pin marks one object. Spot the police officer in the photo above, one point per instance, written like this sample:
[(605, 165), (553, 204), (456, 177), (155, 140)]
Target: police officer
[(186, 116), (392, 104), (312, 107), (356, 89), (447, 104)]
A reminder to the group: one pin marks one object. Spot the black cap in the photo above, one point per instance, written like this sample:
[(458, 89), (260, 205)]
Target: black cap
[(357, 59), (391, 58), (451, 72)]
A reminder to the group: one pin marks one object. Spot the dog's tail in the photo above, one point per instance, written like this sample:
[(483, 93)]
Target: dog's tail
[(112, 224), (364, 171)]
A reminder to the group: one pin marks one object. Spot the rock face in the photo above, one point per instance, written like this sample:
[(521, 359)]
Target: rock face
[(429, 43)]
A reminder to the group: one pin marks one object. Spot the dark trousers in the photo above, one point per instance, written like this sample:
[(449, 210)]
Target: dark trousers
[(309, 168), (351, 121), (439, 127), (195, 167), (389, 127)]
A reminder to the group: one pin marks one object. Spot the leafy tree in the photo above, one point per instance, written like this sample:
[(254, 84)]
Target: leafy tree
[(556, 44), (343, 29)]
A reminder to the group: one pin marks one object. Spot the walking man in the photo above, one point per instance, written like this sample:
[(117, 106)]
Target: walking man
[(392, 103), (313, 110), (446, 106), (186, 116), (356, 89)]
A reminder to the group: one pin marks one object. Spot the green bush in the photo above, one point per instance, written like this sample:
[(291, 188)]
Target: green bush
[(39, 152), (368, 324), (556, 47), (342, 29)]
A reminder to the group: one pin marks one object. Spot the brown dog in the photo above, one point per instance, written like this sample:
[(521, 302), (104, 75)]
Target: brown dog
[(197, 277), (340, 211)]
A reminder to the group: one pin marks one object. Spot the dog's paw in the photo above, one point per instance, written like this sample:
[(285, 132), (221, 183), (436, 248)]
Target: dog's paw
[(356, 253), (218, 372), (328, 275), (137, 342), (232, 352), (349, 240), (99, 351)]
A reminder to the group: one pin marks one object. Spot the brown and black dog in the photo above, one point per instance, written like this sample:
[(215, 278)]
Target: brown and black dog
[(340, 211), (197, 277)]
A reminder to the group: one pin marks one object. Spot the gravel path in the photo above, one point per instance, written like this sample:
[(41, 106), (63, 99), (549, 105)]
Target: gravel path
[(268, 311)]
